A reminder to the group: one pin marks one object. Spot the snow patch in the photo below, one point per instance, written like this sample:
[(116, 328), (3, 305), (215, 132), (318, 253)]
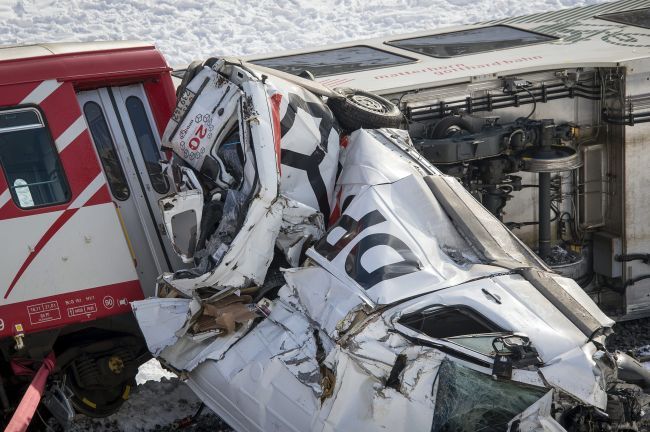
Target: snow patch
[(152, 371)]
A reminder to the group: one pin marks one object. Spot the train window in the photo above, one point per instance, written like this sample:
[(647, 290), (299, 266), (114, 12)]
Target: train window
[(335, 61), (106, 151), (472, 41), (30, 160), (147, 143), (637, 17)]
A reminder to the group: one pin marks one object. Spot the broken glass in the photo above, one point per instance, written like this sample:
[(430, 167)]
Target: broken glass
[(470, 401)]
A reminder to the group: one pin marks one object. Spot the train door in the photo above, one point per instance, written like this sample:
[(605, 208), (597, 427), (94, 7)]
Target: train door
[(123, 131)]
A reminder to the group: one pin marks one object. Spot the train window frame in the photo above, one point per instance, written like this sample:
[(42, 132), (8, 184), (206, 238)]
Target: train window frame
[(49, 144), (408, 60), (147, 125), (620, 17), (394, 43), (109, 178)]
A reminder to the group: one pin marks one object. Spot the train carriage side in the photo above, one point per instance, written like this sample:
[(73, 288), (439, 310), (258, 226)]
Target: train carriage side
[(80, 129)]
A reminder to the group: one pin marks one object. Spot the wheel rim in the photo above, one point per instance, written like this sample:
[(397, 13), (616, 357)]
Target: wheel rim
[(97, 402), (368, 103)]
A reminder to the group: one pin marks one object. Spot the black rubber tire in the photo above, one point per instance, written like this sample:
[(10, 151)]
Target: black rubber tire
[(191, 71), (357, 109), (99, 403), (442, 128)]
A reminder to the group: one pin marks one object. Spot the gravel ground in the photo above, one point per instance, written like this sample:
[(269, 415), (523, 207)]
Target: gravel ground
[(632, 337)]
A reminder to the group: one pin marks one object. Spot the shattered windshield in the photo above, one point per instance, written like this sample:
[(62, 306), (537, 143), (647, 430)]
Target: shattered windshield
[(470, 401)]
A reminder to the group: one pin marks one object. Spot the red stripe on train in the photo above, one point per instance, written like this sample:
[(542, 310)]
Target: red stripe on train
[(69, 308), (13, 94), (61, 109), (54, 228), (276, 99)]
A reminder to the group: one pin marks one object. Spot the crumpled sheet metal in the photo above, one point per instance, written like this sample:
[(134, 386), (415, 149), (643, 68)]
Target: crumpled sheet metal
[(322, 297), (401, 250), (573, 372), (177, 204), (309, 146), (208, 103), (281, 389), (159, 320), (301, 226), (165, 323), (288, 204), (328, 356), (537, 417)]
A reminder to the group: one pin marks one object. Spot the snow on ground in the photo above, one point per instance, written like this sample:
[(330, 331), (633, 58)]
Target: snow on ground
[(189, 29)]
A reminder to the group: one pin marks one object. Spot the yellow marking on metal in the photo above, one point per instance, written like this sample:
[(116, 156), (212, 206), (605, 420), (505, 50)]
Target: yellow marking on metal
[(126, 393), (126, 235), (89, 403)]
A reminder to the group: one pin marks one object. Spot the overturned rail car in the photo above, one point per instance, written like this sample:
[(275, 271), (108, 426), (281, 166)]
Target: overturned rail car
[(474, 96)]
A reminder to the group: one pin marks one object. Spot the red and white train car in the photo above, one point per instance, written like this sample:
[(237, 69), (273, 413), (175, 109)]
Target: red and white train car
[(80, 178)]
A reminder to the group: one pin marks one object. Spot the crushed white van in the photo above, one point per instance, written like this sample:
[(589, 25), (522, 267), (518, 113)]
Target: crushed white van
[(346, 282)]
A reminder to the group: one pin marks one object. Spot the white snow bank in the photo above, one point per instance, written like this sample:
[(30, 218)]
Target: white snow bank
[(186, 30)]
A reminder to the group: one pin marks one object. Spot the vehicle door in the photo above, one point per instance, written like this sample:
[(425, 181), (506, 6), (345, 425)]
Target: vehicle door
[(128, 146)]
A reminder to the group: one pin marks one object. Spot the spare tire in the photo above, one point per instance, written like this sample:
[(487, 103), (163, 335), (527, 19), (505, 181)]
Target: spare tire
[(357, 109)]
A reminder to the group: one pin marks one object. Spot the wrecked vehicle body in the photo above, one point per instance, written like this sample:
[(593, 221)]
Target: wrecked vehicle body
[(416, 309), (234, 145)]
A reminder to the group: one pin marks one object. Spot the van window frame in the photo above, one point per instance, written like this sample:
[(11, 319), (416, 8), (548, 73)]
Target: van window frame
[(64, 176)]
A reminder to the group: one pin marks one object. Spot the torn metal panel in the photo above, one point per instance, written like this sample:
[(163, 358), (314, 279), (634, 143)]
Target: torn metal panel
[(309, 145), (172, 207), (391, 242), (202, 113), (151, 313), (247, 260), (361, 402), (301, 226), (537, 417), (324, 298), (577, 373)]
